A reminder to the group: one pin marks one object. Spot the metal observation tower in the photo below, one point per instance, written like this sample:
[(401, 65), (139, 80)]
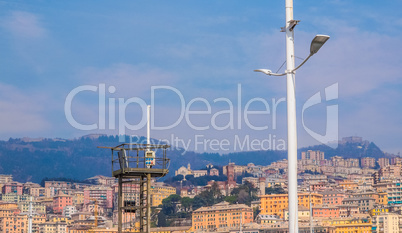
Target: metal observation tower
[(134, 165)]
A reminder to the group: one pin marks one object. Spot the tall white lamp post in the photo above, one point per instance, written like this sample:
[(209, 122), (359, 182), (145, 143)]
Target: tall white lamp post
[(316, 44)]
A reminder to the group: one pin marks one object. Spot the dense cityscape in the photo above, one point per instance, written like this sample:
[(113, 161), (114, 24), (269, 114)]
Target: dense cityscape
[(335, 195)]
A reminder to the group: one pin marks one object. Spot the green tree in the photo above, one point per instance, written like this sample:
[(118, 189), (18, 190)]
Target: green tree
[(231, 199), (277, 189), (169, 204), (162, 220), (198, 202), (186, 203)]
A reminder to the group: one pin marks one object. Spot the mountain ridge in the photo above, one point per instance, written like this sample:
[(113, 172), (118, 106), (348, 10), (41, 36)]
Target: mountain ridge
[(33, 159)]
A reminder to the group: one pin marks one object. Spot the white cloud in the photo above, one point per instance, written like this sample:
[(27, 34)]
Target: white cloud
[(24, 25), (21, 112)]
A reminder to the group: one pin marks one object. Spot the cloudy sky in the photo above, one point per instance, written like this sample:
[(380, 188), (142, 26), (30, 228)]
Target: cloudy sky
[(70, 68)]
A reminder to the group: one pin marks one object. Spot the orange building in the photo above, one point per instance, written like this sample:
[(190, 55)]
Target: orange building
[(221, 215), (8, 205), (60, 201), (13, 222), (326, 211), (274, 204)]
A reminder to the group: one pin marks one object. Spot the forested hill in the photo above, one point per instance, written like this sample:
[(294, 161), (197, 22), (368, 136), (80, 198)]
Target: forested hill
[(32, 160)]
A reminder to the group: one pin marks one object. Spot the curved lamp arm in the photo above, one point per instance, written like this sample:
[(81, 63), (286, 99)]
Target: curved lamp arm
[(269, 72), (316, 44)]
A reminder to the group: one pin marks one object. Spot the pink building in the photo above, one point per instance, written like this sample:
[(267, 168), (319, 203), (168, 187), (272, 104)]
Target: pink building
[(60, 201), (12, 187), (103, 194), (325, 211), (332, 197)]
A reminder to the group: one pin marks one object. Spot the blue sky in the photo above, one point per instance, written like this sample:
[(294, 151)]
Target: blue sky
[(202, 49)]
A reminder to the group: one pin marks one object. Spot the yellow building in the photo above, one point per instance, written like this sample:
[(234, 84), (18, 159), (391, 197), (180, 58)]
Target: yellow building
[(221, 215), (274, 204), (354, 225), (78, 198), (378, 211), (382, 199), (51, 227), (60, 219), (36, 207), (160, 192), (10, 222)]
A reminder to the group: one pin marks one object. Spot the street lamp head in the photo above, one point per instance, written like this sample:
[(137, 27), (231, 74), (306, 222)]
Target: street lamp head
[(317, 43), (265, 71)]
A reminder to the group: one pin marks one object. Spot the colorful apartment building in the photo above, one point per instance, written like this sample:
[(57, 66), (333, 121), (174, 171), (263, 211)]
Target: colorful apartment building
[(367, 162), (394, 193), (355, 225), (53, 227), (325, 211), (160, 191), (12, 222), (303, 213), (36, 207), (39, 192), (348, 185), (103, 195), (346, 211), (8, 206), (5, 178), (365, 203), (332, 197), (221, 215), (12, 187), (13, 197), (274, 204), (60, 201), (379, 211), (386, 222)]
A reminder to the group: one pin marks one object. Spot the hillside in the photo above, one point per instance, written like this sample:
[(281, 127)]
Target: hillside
[(32, 160)]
